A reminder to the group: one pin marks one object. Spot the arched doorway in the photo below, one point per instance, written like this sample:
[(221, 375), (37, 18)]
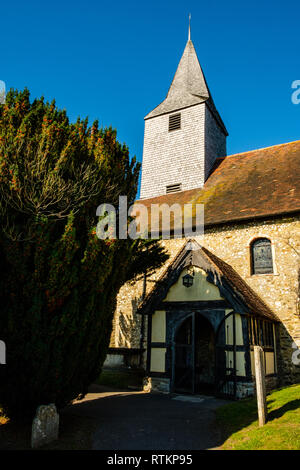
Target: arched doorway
[(194, 356)]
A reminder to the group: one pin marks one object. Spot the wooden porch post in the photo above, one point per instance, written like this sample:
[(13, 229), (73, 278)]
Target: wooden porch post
[(260, 385)]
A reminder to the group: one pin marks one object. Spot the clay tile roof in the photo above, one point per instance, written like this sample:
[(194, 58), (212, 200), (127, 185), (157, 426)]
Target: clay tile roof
[(250, 298), (219, 269), (256, 184)]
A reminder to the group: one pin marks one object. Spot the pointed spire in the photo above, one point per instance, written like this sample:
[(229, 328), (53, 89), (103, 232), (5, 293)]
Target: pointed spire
[(189, 77), (188, 86)]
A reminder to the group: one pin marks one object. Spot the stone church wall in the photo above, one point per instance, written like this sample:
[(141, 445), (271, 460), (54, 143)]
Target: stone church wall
[(279, 290)]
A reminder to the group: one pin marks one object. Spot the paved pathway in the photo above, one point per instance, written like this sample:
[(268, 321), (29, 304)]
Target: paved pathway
[(145, 421)]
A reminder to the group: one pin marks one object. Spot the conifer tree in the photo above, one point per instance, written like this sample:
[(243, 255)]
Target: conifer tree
[(59, 282)]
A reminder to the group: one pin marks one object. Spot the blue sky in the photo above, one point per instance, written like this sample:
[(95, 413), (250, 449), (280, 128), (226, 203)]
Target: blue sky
[(115, 61)]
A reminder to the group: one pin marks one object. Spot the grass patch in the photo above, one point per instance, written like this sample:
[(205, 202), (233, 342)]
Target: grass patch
[(131, 378), (282, 431)]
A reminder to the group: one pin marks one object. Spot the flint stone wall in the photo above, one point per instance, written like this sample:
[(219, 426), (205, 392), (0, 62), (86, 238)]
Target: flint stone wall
[(279, 290)]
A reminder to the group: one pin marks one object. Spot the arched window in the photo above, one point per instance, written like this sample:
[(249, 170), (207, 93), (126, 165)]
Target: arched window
[(261, 256)]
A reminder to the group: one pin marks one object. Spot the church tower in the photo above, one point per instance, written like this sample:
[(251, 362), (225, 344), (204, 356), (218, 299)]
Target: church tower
[(183, 135)]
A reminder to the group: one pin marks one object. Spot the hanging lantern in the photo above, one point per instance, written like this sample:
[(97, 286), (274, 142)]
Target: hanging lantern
[(187, 280)]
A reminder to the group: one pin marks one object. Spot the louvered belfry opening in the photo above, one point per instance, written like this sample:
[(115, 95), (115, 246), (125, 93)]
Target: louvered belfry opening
[(174, 122), (173, 188)]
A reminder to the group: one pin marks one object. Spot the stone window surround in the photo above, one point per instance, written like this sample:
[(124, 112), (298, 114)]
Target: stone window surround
[(252, 239)]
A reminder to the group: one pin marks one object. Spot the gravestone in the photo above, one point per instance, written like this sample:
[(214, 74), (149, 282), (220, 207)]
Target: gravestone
[(44, 426)]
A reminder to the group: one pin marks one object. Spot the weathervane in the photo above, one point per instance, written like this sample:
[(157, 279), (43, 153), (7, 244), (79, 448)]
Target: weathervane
[(190, 16)]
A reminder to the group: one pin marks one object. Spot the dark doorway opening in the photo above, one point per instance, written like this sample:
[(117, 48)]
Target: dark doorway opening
[(183, 358), (204, 356), (194, 356)]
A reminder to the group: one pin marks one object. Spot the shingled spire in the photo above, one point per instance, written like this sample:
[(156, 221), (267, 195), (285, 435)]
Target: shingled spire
[(184, 134), (188, 86)]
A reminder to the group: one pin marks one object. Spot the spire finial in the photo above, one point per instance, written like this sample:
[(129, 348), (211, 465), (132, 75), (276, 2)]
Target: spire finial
[(190, 16)]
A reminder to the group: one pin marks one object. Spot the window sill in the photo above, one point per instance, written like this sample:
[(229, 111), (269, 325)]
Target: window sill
[(260, 275)]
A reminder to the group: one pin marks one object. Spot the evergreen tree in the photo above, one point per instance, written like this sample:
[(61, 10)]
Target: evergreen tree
[(59, 282)]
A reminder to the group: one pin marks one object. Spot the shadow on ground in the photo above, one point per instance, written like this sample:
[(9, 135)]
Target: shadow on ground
[(244, 413), (292, 405), (108, 419), (75, 433), (143, 421)]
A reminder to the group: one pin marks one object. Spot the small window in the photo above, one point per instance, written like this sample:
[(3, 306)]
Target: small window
[(173, 188), (261, 256), (174, 122)]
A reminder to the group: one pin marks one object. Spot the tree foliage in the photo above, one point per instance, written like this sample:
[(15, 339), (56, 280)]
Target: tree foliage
[(59, 282)]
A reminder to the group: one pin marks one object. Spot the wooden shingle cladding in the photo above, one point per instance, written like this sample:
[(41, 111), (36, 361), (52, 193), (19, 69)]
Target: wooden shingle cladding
[(252, 185)]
